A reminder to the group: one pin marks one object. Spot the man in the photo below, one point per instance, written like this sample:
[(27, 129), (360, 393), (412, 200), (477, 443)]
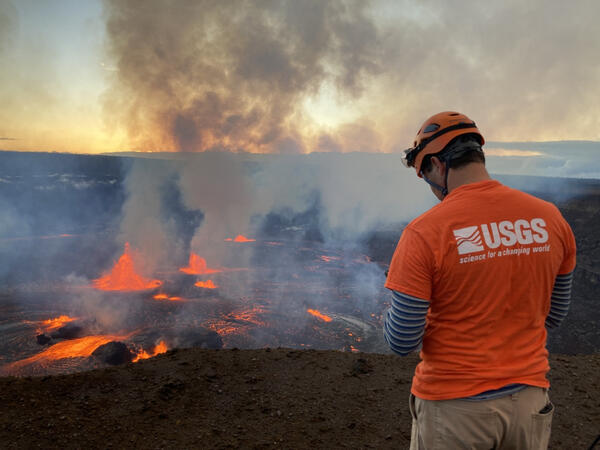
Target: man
[(476, 280)]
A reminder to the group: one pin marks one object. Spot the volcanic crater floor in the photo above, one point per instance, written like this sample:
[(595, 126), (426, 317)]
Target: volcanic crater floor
[(267, 398)]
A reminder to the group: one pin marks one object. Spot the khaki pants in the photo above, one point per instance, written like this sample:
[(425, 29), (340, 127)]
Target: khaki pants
[(511, 422)]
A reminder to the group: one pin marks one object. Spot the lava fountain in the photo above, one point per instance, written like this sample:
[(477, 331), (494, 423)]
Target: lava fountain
[(123, 276), (234, 310), (161, 347), (198, 266)]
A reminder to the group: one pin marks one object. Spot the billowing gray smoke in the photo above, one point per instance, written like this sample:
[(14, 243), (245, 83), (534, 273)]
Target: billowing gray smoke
[(342, 197), (211, 74), (243, 74), (324, 203)]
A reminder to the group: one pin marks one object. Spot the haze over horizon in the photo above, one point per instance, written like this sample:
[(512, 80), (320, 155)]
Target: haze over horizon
[(301, 76)]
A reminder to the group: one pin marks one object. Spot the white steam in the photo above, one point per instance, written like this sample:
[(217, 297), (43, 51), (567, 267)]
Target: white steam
[(354, 194)]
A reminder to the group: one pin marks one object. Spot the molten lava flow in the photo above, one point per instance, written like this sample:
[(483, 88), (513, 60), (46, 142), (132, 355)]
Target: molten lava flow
[(240, 238), (72, 348), (328, 258), (237, 322), (208, 284), (319, 315), (166, 297), (123, 276), (57, 322), (161, 347), (197, 266)]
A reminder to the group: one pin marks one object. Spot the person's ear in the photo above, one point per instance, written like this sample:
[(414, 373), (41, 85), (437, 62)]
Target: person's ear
[(438, 165)]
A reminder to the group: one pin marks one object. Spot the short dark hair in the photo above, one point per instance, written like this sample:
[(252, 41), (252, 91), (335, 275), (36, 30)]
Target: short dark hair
[(467, 148)]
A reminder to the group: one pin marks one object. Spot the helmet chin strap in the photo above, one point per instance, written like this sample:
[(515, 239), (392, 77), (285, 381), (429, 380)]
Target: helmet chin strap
[(442, 189)]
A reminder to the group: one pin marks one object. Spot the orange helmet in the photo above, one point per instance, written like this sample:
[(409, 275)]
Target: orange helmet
[(435, 134)]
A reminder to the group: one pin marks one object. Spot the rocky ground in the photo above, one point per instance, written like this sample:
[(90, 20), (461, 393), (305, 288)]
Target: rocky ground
[(267, 398)]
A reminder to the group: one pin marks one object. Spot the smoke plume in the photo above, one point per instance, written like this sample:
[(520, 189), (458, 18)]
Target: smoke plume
[(199, 75), (196, 202), (242, 75)]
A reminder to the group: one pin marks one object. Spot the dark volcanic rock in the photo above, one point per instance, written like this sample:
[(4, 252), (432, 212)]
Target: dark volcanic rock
[(186, 338), (197, 337), (360, 367), (208, 339), (42, 339), (69, 331), (113, 353)]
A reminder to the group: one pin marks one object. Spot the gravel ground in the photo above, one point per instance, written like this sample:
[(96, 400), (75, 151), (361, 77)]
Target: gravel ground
[(267, 398)]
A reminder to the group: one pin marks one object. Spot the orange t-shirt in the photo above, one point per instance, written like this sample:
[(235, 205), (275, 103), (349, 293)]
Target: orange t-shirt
[(486, 258)]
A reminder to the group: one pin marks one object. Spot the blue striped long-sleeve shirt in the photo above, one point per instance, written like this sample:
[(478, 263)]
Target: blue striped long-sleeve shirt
[(560, 300), (404, 324)]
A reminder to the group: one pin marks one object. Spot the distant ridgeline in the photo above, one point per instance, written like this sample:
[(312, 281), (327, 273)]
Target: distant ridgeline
[(51, 193), (41, 163), (552, 189)]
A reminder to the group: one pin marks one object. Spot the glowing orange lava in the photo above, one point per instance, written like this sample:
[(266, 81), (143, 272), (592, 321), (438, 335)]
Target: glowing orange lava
[(240, 238), (197, 266), (73, 348), (161, 347), (328, 258), (319, 315), (123, 276), (166, 297), (237, 322), (208, 284), (57, 322)]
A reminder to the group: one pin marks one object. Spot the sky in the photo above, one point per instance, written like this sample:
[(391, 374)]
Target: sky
[(92, 76)]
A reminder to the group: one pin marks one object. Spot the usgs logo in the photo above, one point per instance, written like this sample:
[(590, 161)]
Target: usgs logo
[(507, 233)]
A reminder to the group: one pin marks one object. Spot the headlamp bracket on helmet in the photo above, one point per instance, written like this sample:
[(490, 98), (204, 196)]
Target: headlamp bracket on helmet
[(408, 157)]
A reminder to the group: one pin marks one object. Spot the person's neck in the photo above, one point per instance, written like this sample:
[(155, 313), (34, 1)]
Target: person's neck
[(471, 173)]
